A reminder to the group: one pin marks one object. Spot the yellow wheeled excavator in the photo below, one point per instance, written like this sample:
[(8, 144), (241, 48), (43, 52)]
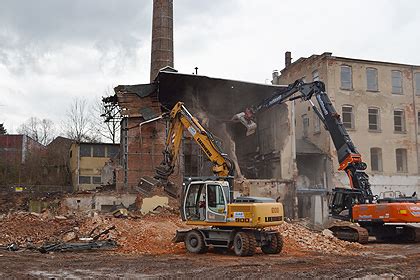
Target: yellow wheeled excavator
[(207, 203)]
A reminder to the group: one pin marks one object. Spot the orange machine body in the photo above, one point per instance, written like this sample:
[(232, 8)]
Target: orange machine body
[(395, 212)]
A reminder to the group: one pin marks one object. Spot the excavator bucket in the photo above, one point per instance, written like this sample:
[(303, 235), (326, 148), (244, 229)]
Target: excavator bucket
[(250, 125), (148, 184)]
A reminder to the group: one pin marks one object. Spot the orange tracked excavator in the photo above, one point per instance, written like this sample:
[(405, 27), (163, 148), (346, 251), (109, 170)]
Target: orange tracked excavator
[(391, 219)]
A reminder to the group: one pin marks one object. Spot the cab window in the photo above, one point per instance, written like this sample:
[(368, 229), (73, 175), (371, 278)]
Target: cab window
[(216, 200), (194, 201)]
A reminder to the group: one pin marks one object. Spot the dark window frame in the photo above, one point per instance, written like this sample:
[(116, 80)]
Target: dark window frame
[(378, 119), (401, 127), (378, 167), (83, 150), (402, 156), (112, 151), (396, 88), (372, 73), (417, 83), (418, 122), (95, 178), (86, 180), (98, 151), (346, 84), (352, 124)]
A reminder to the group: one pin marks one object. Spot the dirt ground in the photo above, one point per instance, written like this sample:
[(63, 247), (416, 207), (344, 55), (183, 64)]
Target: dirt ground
[(389, 261)]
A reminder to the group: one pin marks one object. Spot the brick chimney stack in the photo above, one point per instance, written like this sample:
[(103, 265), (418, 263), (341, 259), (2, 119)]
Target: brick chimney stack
[(162, 37), (288, 59)]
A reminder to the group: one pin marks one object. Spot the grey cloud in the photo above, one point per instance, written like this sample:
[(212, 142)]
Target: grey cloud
[(30, 30)]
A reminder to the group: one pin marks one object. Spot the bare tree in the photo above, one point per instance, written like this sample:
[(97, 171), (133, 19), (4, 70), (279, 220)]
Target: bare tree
[(42, 131), (107, 119), (78, 123)]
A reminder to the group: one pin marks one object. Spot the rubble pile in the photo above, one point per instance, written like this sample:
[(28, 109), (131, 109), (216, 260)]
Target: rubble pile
[(146, 234), (23, 228), (15, 202), (150, 234), (298, 239)]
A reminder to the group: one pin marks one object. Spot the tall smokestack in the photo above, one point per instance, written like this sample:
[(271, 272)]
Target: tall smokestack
[(162, 37), (288, 59)]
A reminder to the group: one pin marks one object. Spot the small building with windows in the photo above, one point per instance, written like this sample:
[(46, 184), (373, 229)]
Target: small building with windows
[(379, 104), (89, 164)]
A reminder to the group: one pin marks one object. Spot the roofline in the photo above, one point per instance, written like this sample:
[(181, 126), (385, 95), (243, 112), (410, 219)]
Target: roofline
[(329, 55), (224, 79), (24, 135), (374, 61), (94, 143)]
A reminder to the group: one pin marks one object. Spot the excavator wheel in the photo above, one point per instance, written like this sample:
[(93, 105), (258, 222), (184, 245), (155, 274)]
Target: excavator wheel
[(244, 244), (252, 244), (194, 242), (274, 246)]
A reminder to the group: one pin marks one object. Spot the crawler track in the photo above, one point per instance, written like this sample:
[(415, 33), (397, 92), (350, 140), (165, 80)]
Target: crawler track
[(351, 233)]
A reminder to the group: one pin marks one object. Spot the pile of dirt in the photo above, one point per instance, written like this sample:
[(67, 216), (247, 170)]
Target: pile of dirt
[(299, 240)]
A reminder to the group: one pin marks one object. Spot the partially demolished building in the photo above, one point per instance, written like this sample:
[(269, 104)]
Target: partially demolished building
[(266, 159)]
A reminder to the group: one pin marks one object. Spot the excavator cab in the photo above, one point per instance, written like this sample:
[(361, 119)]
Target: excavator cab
[(205, 200), (341, 203)]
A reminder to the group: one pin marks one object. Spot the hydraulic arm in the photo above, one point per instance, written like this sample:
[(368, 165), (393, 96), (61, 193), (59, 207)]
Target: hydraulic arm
[(180, 119), (386, 219), (348, 157)]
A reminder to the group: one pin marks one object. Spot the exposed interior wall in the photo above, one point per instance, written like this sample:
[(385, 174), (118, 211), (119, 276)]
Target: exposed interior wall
[(314, 158), (314, 171)]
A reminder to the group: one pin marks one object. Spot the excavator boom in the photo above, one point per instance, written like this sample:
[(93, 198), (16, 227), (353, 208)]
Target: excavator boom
[(355, 204), (179, 119)]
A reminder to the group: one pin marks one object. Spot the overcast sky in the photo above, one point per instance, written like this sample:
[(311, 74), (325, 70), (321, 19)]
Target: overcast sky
[(52, 51)]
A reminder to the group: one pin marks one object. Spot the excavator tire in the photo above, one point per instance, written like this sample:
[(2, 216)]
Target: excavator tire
[(194, 242), (351, 233), (274, 246), (241, 244), (252, 244)]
